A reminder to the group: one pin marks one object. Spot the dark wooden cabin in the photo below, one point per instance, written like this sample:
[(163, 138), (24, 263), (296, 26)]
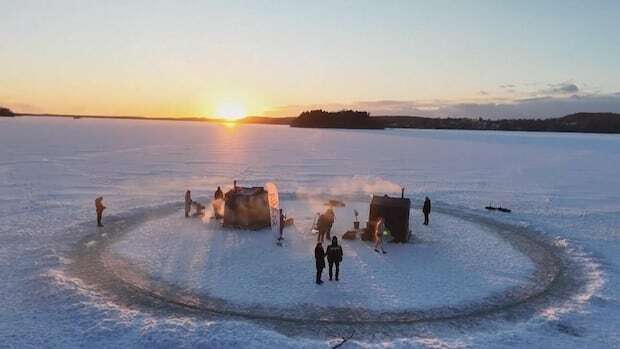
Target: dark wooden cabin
[(395, 211)]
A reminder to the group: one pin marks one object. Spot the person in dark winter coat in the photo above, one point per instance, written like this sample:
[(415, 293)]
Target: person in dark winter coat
[(334, 256), (99, 207), (319, 257), (218, 204), (324, 224), (426, 209), (219, 194), (188, 203), (282, 224)]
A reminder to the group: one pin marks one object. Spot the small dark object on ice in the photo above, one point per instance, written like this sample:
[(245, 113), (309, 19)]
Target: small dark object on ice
[(200, 209), (366, 233), (335, 203), (501, 209), (350, 235), (376, 250), (344, 340)]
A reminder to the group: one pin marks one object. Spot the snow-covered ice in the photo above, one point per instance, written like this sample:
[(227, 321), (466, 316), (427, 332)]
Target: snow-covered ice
[(459, 262), (564, 186)]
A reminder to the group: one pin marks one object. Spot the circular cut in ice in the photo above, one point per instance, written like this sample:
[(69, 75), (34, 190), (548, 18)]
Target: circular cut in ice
[(452, 262)]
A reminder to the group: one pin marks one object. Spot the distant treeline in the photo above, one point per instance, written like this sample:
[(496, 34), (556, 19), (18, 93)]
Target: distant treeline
[(267, 120), (579, 122), (6, 112), (246, 120), (340, 119)]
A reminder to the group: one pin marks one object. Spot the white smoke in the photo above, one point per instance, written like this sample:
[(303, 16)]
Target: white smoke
[(355, 185), (347, 186)]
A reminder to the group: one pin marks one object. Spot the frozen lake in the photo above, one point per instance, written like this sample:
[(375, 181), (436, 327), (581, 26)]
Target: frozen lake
[(566, 186), (458, 262)]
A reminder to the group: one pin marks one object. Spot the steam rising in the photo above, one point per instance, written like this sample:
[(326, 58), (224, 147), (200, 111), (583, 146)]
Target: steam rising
[(356, 185)]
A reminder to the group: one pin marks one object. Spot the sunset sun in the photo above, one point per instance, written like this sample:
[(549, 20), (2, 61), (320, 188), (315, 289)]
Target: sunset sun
[(231, 111)]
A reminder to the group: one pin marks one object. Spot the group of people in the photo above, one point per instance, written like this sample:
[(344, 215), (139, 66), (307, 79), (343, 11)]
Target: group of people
[(324, 224), (334, 257), (333, 252), (200, 207)]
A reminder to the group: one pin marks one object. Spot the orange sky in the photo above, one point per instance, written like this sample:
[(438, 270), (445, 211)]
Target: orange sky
[(401, 57)]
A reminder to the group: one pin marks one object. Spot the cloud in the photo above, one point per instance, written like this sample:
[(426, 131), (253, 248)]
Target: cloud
[(523, 100), (540, 107), (526, 89), (562, 88)]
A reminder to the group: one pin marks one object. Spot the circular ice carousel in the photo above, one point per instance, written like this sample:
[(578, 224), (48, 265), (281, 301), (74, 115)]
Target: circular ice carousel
[(460, 265)]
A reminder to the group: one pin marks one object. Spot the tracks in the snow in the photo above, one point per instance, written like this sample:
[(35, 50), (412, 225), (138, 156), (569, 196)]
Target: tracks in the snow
[(555, 278)]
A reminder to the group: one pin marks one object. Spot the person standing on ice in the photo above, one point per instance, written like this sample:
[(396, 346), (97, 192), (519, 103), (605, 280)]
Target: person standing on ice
[(331, 217), (219, 194), (99, 207), (188, 202), (282, 219), (319, 258), (218, 203), (324, 224), (426, 209), (379, 229), (334, 256)]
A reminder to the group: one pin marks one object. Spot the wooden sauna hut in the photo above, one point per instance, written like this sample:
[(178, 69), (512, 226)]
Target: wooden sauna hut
[(246, 208), (395, 211)]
